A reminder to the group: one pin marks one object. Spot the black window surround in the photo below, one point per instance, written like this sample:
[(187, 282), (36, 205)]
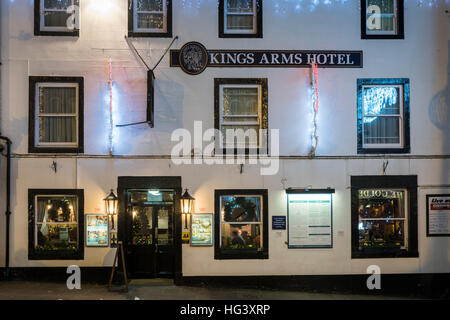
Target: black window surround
[(404, 129), (400, 34), (262, 82), (408, 182), (32, 148), (37, 23), (219, 253), (33, 254), (259, 22), (137, 34)]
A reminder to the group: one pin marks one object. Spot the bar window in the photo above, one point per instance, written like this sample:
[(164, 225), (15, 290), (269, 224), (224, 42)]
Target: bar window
[(56, 222), (57, 17), (384, 218), (382, 19), (241, 224), (240, 18), (150, 18), (241, 112), (55, 114), (383, 108)]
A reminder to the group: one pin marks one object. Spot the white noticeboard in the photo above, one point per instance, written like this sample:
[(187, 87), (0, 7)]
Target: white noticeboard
[(438, 215), (310, 222)]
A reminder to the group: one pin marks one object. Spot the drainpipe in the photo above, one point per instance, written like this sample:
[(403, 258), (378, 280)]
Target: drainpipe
[(8, 200)]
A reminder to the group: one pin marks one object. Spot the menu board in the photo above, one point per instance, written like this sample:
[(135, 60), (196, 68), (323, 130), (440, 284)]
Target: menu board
[(438, 215), (97, 230), (201, 229), (310, 220)]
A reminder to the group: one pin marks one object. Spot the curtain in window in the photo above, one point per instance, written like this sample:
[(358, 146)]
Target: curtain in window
[(379, 104), (240, 14), (56, 18), (57, 114), (388, 13), (150, 14)]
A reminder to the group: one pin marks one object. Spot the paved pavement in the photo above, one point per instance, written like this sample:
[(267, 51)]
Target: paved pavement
[(159, 289)]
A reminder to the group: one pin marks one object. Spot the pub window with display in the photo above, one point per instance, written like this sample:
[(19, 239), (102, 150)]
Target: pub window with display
[(382, 219), (241, 224), (55, 224)]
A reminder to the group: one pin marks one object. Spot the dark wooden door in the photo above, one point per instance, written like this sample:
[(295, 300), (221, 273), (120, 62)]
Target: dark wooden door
[(150, 246)]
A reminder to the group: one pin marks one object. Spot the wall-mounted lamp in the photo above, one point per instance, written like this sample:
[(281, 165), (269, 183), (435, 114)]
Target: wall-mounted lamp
[(111, 206), (186, 206)]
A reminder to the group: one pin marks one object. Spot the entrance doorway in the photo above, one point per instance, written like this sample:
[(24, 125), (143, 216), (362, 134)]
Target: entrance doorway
[(150, 226)]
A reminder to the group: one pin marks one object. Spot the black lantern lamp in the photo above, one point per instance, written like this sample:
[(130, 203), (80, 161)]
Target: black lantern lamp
[(187, 202), (111, 206)]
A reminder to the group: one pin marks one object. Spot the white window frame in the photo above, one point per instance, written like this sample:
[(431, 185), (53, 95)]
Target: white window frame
[(400, 117), (254, 30), (384, 15), (42, 18), (261, 210), (38, 114), (149, 30), (405, 219), (241, 123), (37, 224)]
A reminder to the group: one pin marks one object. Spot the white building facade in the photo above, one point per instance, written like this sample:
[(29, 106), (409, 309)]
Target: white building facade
[(381, 120)]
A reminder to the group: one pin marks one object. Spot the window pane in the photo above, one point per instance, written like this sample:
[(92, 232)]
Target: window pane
[(381, 130), (381, 100), (387, 23), (240, 5), (142, 225), (56, 209), (381, 233), (240, 22), (57, 129), (57, 4), (249, 137), (386, 6), (56, 19), (242, 236), (57, 100), (240, 209), (381, 203), (240, 101), (151, 195), (57, 237), (149, 5), (150, 21), (251, 119)]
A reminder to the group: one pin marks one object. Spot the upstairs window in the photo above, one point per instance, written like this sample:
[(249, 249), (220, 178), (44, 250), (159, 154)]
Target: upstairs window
[(382, 19), (241, 113), (150, 18), (56, 121), (383, 115), (240, 18), (57, 17)]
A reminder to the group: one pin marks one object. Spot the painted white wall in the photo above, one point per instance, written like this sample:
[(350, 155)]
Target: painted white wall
[(180, 99)]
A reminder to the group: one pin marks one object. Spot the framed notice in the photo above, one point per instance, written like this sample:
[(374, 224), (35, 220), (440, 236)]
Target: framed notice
[(202, 229), (438, 215), (97, 230), (310, 218)]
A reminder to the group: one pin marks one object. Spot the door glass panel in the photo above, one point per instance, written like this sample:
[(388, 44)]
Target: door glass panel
[(142, 228), (164, 235)]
